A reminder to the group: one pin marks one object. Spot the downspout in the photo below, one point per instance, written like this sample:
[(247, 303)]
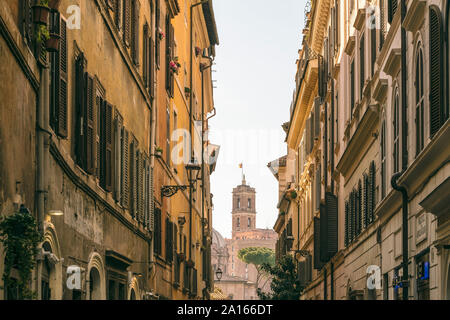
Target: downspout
[(203, 69), (41, 165), (402, 189), (191, 45)]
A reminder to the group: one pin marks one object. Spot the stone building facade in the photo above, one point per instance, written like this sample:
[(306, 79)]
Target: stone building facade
[(239, 279), (368, 124), (80, 131)]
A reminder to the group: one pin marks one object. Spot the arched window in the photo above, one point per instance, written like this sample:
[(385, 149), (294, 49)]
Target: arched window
[(238, 222), (396, 132), (420, 101), (249, 222), (238, 203)]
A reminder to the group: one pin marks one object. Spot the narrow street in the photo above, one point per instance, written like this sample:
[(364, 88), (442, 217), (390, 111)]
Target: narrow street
[(224, 150)]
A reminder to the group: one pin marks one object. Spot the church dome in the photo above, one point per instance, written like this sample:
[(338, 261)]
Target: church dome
[(217, 239)]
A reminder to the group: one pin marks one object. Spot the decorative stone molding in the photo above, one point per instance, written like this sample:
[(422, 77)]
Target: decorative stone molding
[(415, 15), (360, 18), (350, 45), (380, 91), (392, 66)]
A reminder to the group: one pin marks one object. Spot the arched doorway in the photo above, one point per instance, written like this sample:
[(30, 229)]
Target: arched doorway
[(132, 295), (448, 282), (95, 278), (51, 266), (94, 285)]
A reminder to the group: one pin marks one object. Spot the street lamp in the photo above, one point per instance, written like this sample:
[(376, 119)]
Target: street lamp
[(192, 169), (219, 274)]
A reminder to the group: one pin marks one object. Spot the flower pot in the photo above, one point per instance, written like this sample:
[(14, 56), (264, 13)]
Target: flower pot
[(40, 14), (54, 4), (197, 51), (52, 44)]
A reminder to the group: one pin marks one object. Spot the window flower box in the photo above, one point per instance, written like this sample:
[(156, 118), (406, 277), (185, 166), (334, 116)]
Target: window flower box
[(198, 50), (52, 43)]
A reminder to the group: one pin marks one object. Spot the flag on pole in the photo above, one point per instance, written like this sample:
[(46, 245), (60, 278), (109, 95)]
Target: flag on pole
[(240, 166)]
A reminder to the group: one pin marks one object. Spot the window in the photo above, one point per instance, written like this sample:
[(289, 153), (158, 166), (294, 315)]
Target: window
[(170, 55), (238, 203), (362, 65), (373, 40), (249, 203), (158, 232), (105, 164), (169, 241), (127, 23), (59, 78), (352, 87), (383, 160), (382, 9), (157, 40), (249, 223), (420, 98), (396, 132), (168, 151), (135, 31), (392, 9), (238, 222)]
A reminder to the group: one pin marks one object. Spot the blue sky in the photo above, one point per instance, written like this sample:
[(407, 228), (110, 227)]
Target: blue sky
[(255, 72)]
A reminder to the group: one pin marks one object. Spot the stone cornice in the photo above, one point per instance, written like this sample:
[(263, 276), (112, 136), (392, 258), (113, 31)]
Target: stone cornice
[(319, 24)]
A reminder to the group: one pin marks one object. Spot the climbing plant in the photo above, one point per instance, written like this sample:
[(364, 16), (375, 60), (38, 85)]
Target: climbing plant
[(20, 238)]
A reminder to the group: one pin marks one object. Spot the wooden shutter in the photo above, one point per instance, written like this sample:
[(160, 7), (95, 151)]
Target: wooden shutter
[(382, 22), (118, 13), (352, 216), (152, 203), (145, 57), (157, 40), (317, 262), (372, 184), (373, 44), (135, 29), (127, 22), (318, 191), (118, 137), (90, 121), (308, 136), (331, 203), (366, 201), (346, 239), (27, 21), (321, 71), (333, 32), (362, 65), (141, 174), (152, 64), (79, 108), (359, 208), (133, 177), (109, 143), (317, 118), (392, 9), (436, 71), (125, 196), (352, 88), (61, 104)]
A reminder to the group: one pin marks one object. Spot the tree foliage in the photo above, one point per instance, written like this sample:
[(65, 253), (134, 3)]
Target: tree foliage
[(20, 238), (257, 256), (285, 284)]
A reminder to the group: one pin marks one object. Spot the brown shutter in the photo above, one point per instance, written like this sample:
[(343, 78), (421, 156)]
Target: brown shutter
[(62, 88), (135, 29), (90, 120), (152, 64), (317, 118), (321, 71), (141, 187), (362, 66), (372, 185), (392, 9), (127, 22), (317, 262), (80, 101), (346, 223), (152, 203), (145, 57), (125, 169), (359, 208), (382, 23), (109, 138), (352, 88), (366, 201), (118, 137), (436, 71), (373, 41)]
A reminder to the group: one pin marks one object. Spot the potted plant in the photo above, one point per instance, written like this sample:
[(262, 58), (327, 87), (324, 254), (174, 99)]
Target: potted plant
[(54, 4), (190, 264), (41, 12), (161, 34), (158, 152), (197, 51), (42, 34), (291, 194), (52, 43)]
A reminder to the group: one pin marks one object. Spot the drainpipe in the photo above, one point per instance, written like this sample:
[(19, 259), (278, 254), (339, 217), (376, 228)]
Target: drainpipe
[(404, 91), (191, 45), (404, 192), (203, 151), (41, 163)]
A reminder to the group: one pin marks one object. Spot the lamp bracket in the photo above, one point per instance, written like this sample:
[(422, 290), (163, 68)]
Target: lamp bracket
[(170, 191)]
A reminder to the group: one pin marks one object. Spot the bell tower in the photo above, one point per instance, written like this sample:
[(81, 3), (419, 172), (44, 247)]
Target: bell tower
[(244, 208)]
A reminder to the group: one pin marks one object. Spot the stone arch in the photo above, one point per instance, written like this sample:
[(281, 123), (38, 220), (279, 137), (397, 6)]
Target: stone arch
[(52, 262), (134, 292), (95, 278)]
